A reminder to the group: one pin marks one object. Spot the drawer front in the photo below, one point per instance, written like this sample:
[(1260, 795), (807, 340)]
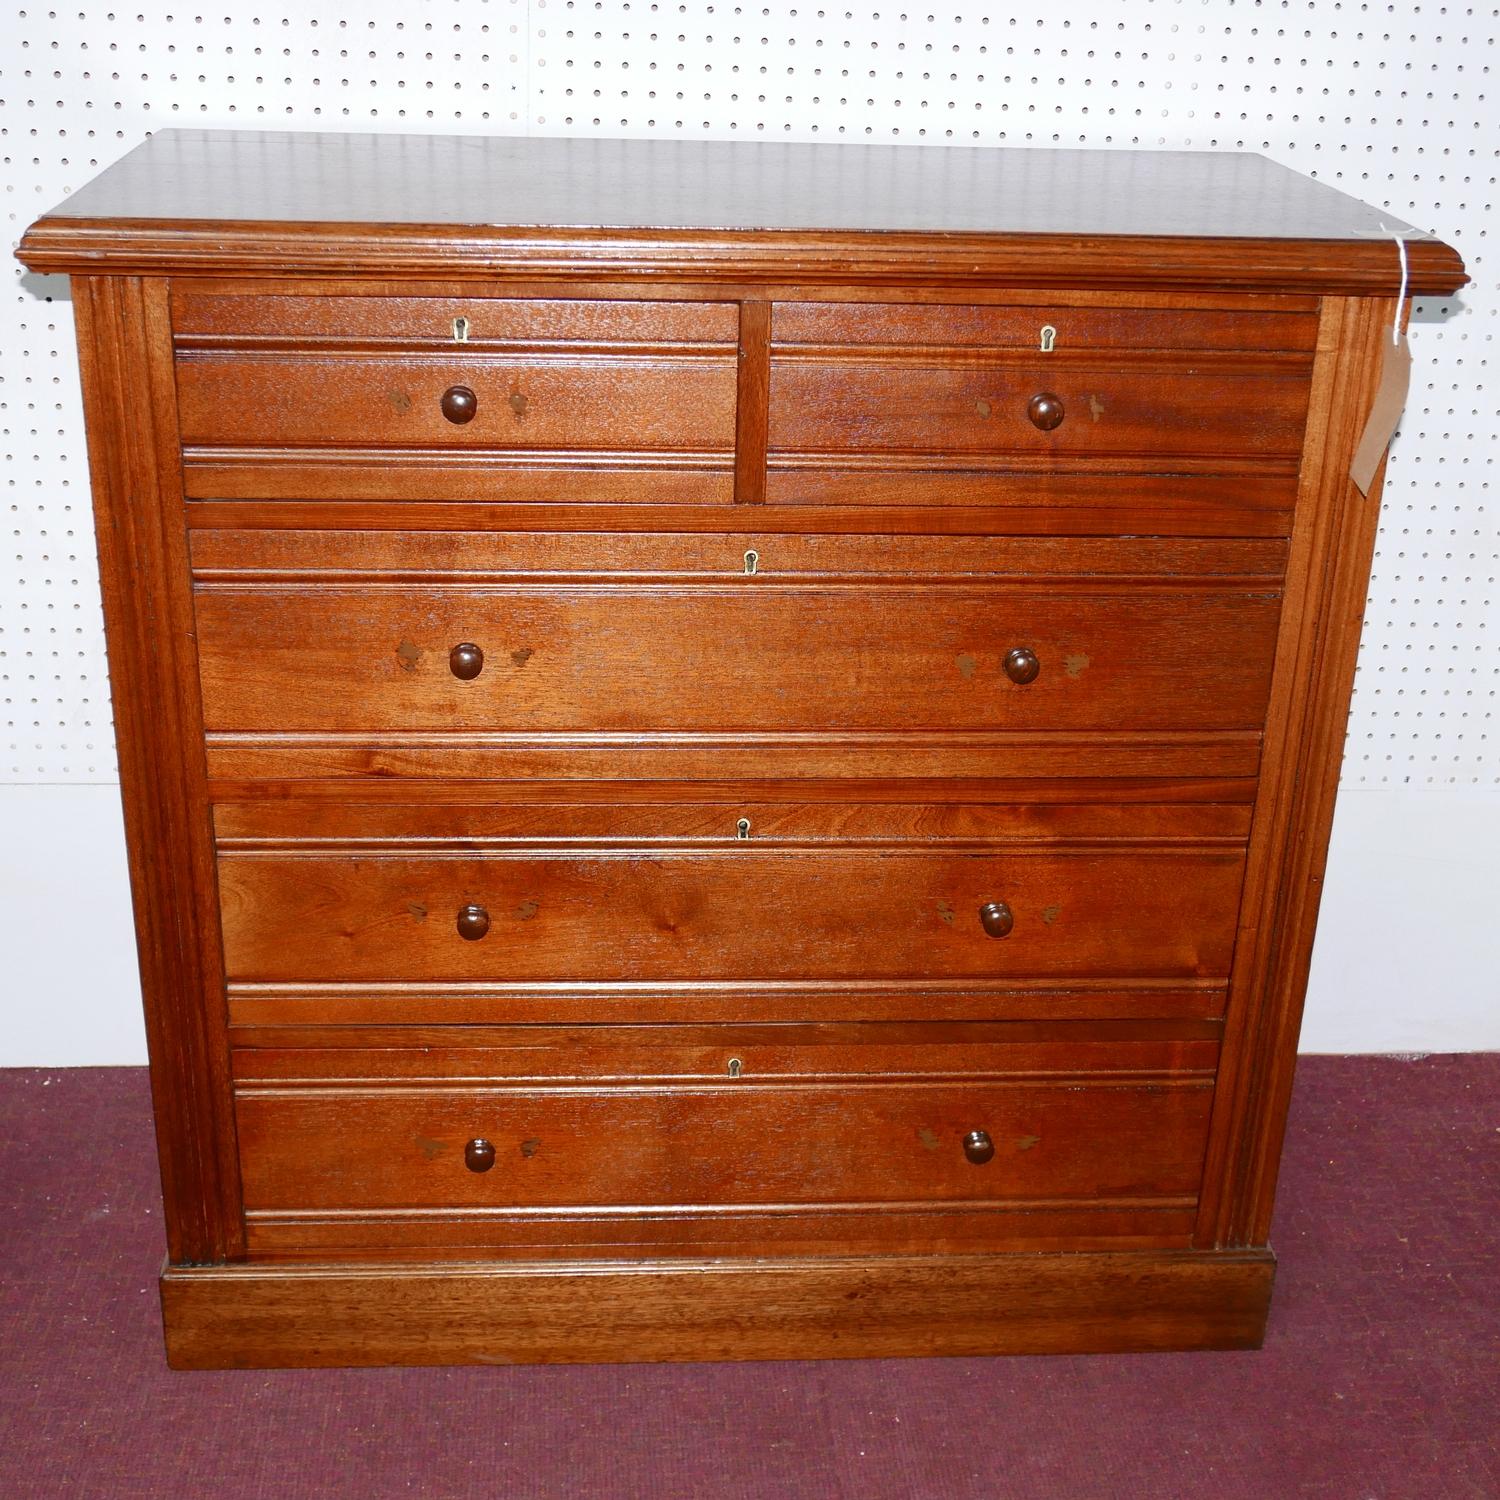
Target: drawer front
[(753, 1142), (743, 914), (754, 656), (203, 318), (635, 814), (515, 403), (273, 554), (1284, 325), (539, 400), (1039, 411), (960, 406)]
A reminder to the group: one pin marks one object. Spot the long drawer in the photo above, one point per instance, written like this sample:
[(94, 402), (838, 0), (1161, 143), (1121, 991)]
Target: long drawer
[(748, 912), (756, 655), (1113, 1133)]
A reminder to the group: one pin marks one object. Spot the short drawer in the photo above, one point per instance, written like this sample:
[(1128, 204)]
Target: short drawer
[(578, 404), (426, 397), (749, 913), (786, 1130), (1282, 325), (954, 405), (206, 318), (1036, 411), (746, 655)]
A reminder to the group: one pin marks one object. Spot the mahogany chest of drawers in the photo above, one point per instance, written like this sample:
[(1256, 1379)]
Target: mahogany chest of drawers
[(727, 750)]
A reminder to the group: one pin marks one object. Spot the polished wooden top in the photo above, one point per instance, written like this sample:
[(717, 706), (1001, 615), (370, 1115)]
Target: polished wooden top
[(372, 204)]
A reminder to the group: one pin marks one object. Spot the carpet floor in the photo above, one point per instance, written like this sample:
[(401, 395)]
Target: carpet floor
[(1380, 1379)]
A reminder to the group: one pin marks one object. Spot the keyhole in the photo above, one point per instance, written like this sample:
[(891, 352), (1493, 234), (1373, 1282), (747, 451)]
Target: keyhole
[(460, 330), (742, 829), (734, 1067), (1049, 338), (752, 560)]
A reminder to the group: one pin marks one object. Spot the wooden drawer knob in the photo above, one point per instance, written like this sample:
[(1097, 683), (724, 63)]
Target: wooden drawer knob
[(466, 661), (479, 1155), (1045, 411), (997, 919), (1021, 665), (459, 404), (473, 923), (978, 1147)]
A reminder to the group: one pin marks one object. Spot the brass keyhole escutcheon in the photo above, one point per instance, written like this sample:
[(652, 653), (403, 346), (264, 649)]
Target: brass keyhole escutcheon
[(735, 1067), (742, 829), (752, 560)]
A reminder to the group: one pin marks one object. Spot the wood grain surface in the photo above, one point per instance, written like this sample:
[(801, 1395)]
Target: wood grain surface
[(728, 749), (796, 1308), (546, 402), (241, 201), (760, 1142), (756, 656), (741, 914)]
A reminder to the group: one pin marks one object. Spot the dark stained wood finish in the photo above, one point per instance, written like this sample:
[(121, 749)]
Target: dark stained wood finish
[(459, 404), (756, 657), (728, 750)]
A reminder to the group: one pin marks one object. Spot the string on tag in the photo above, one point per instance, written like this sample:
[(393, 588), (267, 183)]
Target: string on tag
[(1390, 393), (1400, 240)]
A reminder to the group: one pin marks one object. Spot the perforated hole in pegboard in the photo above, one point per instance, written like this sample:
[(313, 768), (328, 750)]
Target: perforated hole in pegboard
[(1390, 102)]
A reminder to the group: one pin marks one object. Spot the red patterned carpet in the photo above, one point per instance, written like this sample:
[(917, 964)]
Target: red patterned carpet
[(1380, 1379)]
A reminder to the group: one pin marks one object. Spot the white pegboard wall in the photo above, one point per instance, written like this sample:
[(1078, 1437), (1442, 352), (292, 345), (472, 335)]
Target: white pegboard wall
[(1393, 103)]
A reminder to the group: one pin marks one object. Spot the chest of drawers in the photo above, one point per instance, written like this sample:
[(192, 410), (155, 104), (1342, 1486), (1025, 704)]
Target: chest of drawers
[(727, 751)]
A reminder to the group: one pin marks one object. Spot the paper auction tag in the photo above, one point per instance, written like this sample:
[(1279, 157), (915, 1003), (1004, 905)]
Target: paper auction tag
[(1380, 425)]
